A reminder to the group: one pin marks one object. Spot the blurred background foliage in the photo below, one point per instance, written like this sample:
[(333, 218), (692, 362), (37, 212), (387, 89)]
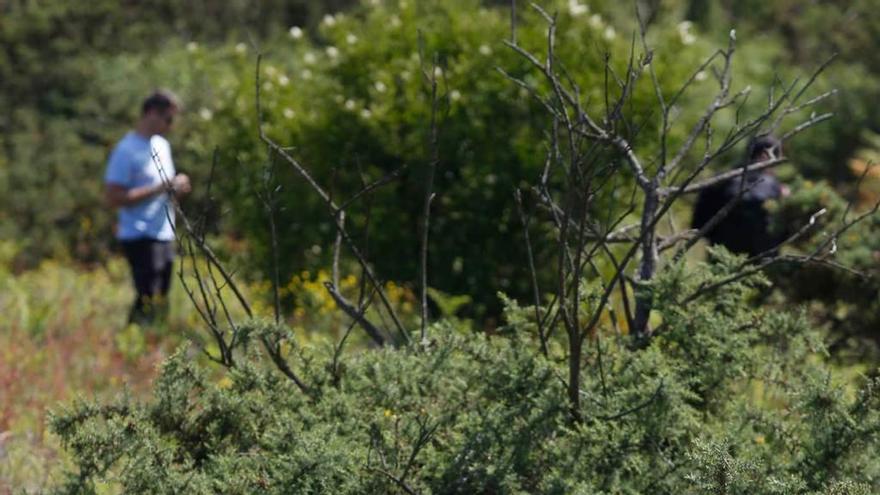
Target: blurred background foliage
[(343, 84)]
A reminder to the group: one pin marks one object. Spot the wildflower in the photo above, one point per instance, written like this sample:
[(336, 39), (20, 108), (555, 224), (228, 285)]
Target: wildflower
[(610, 33), (596, 21), (454, 95), (283, 80), (306, 74), (684, 32), (332, 52), (576, 8), (394, 21), (289, 113), (349, 104), (366, 113), (485, 50), (296, 32), (438, 72), (316, 249), (329, 20), (192, 46), (380, 87), (267, 86), (700, 76), (309, 58), (240, 48), (457, 265), (206, 114), (351, 39), (271, 71)]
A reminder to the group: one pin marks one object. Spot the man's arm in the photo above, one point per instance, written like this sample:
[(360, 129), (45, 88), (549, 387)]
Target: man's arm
[(118, 196)]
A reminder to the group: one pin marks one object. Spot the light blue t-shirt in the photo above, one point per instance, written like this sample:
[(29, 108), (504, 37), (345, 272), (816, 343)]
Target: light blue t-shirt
[(136, 162)]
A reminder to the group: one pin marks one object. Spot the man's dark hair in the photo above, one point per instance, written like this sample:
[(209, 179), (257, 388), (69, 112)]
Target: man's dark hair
[(160, 100), (764, 142)]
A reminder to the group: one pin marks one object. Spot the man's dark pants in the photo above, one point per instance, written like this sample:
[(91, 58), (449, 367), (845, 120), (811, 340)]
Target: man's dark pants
[(151, 261)]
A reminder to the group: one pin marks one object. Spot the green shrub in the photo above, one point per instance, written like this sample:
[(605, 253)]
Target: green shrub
[(726, 398)]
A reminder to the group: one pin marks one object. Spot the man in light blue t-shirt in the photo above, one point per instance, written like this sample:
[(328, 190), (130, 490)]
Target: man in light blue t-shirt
[(139, 178)]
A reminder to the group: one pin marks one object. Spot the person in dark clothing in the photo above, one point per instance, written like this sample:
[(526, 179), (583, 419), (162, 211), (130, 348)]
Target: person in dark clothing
[(745, 227)]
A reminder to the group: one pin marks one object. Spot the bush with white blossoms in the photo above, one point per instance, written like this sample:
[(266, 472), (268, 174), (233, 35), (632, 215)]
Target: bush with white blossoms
[(386, 83)]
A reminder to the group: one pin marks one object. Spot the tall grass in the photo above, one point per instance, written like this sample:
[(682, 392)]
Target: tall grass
[(63, 333)]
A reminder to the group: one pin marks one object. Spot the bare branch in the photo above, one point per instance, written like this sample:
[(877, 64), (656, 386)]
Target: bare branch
[(356, 315)]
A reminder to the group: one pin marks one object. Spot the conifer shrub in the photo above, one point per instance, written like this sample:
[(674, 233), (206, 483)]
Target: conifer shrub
[(725, 398)]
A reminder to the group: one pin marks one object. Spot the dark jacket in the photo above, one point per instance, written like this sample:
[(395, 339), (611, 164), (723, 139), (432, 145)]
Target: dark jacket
[(745, 229)]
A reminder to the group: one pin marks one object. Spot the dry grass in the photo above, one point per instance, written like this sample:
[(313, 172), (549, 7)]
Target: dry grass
[(62, 335)]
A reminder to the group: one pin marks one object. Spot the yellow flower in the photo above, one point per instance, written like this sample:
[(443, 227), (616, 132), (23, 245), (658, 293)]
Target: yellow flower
[(759, 440)]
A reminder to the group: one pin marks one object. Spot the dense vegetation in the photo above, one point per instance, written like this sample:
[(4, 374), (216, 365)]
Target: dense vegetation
[(751, 388)]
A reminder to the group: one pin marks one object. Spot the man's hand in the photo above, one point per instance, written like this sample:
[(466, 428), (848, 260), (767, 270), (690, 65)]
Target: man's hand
[(180, 184), (784, 191)]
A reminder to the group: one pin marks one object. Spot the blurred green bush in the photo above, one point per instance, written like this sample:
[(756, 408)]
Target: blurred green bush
[(725, 399)]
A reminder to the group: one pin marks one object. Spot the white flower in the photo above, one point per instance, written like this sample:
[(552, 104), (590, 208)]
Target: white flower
[(271, 71), (316, 249), (455, 95), (349, 104), (240, 48), (306, 74), (438, 72), (332, 52), (405, 75), (192, 46), (289, 113), (394, 21), (283, 80), (296, 32), (700, 76), (267, 86), (339, 99), (366, 113), (610, 33), (596, 21), (380, 86), (206, 114), (733, 35), (374, 3), (309, 58), (351, 39), (485, 50), (684, 32), (329, 20), (576, 8)]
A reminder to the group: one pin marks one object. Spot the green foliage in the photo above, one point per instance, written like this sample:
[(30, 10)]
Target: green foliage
[(727, 398), (65, 100), (356, 105)]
